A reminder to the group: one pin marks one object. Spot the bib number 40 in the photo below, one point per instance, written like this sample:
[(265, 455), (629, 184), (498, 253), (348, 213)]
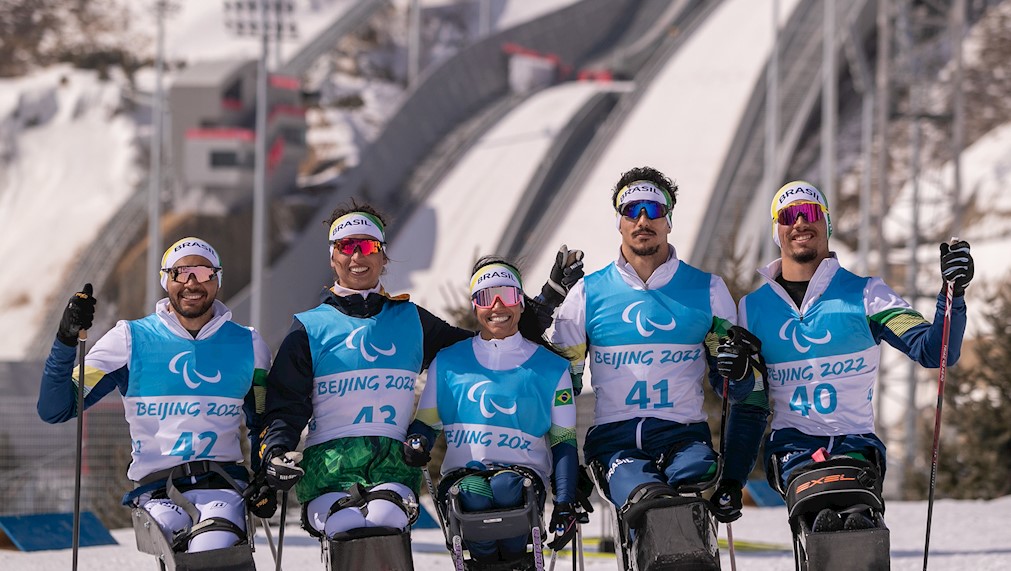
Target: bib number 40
[(823, 399)]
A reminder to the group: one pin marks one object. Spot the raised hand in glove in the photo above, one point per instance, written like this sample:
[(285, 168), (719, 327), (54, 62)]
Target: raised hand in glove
[(416, 453), (260, 498), (564, 517), (727, 501), (567, 270), (281, 471), (79, 314), (957, 266), (737, 352)]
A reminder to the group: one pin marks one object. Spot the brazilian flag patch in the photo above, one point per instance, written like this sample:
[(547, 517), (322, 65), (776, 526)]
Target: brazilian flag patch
[(563, 397)]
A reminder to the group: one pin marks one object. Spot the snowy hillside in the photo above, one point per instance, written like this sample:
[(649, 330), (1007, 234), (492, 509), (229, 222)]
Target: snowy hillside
[(67, 162), (71, 145)]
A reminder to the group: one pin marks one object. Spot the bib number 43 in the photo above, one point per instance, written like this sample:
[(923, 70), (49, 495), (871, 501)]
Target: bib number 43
[(823, 399)]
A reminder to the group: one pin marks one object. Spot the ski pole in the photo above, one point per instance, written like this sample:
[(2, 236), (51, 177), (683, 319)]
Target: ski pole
[(730, 547), (82, 341), (723, 452), (579, 548), (270, 538), (949, 294), (416, 444), (280, 531)]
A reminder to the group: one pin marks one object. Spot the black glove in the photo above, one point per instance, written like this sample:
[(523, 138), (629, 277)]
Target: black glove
[(564, 517), (78, 315), (260, 498), (567, 270), (281, 470), (957, 266), (736, 353), (416, 452), (726, 501), (584, 489)]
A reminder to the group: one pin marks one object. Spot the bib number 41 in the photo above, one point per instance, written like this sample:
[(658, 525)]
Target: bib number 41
[(641, 397)]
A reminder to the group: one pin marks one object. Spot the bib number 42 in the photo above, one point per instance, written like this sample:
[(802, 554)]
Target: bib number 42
[(185, 449)]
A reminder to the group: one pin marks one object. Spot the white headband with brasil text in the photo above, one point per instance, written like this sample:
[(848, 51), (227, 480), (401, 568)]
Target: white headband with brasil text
[(642, 190)]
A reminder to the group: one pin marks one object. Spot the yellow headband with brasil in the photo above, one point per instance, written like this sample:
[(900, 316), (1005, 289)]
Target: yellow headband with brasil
[(356, 223), (188, 246), (797, 191), (496, 274)]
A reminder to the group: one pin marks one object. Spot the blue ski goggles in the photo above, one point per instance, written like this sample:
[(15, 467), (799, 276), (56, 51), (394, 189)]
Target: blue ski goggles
[(634, 209)]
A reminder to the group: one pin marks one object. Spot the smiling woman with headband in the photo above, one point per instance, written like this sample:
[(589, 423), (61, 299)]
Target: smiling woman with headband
[(350, 365), (187, 374), (525, 400)]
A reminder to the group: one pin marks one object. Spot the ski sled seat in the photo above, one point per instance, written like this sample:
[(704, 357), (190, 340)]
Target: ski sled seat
[(372, 548), (673, 529), (846, 485), (172, 555), (492, 525)]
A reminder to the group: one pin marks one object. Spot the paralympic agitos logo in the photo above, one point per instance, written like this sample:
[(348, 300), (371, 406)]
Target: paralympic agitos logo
[(349, 342), (174, 368), (649, 327)]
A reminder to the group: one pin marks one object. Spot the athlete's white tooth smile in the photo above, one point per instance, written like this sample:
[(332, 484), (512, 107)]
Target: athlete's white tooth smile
[(498, 318)]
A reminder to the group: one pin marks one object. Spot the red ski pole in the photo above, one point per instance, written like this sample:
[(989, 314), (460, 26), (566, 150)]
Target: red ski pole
[(948, 295)]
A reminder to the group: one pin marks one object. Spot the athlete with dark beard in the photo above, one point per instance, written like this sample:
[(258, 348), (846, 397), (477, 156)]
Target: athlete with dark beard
[(649, 323), (186, 374), (820, 328)]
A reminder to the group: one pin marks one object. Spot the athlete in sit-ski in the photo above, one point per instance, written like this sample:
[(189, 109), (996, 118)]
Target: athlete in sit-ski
[(649, 323), (186, 373), (504, 401), (821, 327), (347, 369)]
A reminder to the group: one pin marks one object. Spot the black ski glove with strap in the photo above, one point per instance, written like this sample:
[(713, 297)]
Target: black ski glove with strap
[(566, 271), (79, 314), (957, 266), (727, 501)]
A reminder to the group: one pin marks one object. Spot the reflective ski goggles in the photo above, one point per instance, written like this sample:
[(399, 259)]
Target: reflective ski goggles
[(367, 246), (508, 295), (788, 215), (635, 209), (182, 274)]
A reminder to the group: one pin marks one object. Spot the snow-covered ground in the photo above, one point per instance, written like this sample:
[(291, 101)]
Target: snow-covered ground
[(965, 535)]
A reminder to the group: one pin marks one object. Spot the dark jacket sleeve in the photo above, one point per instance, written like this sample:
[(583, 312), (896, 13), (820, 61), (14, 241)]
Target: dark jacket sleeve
[(289, 392), (922, 342), (58, 392), (565, 471), (745, 429), (438, 335)]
